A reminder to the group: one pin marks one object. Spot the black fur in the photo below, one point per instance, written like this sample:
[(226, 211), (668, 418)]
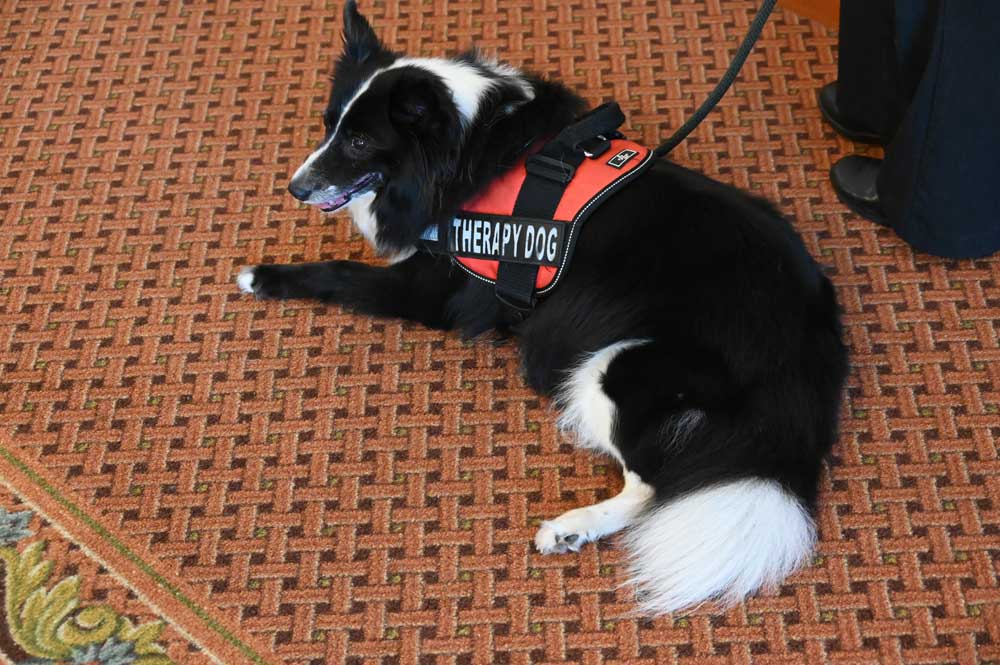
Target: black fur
[(743, 325)]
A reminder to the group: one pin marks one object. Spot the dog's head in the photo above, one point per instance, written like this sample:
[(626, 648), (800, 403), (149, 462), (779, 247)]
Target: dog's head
[(350, 161), (394, 128)]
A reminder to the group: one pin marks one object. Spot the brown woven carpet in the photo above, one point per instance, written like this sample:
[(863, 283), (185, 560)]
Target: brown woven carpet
[(287, 483)]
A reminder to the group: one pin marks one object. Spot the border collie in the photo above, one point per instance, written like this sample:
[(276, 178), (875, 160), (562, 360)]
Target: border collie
[(693, 339)]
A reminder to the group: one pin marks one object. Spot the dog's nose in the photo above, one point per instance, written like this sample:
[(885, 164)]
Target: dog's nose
[(298, 191)]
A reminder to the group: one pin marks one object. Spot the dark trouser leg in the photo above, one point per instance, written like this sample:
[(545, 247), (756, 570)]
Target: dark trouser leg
[(939, 185), (866, 66), (914, 23), (883, 48)]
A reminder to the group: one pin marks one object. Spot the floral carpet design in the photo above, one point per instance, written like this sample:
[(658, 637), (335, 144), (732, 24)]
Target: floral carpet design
[(58, 606)]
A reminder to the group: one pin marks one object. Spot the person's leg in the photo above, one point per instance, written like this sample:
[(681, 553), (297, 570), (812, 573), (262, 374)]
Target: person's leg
[(914, 22), (939, 185), (883, 49), (867, 87)]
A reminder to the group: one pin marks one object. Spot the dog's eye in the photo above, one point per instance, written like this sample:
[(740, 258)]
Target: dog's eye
[(359, 143)]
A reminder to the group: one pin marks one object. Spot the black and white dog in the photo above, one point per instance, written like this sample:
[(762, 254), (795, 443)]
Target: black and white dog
[(693, 339)]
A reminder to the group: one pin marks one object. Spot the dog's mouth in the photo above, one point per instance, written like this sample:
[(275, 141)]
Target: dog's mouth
[(360, 186)]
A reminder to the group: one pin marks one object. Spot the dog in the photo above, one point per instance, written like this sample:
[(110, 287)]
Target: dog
[(693, 339)]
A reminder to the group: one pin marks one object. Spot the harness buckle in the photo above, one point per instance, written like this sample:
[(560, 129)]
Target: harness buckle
[(594, 147), (550, 169)]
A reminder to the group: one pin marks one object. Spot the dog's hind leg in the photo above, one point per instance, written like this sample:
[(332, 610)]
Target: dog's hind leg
[(579, 526), (587, 410), (590, 414)]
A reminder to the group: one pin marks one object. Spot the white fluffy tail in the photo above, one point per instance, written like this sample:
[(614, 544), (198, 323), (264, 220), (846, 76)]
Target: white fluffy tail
[(720, 543)]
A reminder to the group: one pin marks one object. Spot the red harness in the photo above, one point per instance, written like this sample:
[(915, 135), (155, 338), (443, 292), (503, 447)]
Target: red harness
[(593, 178), (519, 233)]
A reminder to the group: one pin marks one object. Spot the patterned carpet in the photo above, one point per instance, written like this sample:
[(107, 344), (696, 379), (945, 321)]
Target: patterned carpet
[(239, 482)]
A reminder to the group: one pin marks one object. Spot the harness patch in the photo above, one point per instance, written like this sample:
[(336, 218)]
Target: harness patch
[(622, 158), (505, 238)]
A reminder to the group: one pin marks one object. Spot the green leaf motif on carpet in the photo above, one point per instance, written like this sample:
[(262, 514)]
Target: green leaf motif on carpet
[(49, 623)]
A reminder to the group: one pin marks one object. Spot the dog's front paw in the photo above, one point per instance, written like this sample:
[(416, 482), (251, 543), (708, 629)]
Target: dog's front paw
[(245, 279), (567, 533), (264, 282)]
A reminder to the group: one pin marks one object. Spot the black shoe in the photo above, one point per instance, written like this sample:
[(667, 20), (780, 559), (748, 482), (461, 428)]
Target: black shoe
[(831, 112), (853, 179)]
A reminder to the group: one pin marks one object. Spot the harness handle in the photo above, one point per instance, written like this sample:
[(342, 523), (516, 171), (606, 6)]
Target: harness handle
[(604, 119), (724, 83)]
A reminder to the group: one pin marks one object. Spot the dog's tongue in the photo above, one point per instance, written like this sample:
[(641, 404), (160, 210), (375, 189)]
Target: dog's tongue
[(343, 198), (338, 202)]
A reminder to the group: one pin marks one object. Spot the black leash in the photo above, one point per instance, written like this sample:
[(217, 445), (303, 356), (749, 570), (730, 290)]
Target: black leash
[(727, 80)]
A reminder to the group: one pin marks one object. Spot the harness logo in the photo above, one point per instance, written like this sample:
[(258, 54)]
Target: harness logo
[(517, 239), (622, 158)]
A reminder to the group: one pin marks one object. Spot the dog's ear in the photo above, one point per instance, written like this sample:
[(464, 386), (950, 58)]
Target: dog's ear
[(411, 109), (419, 105), (360, 41)]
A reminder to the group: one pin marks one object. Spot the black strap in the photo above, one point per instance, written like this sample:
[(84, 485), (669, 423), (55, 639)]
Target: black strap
[(600, 121), (756, 26), (549, 172), (546, 180)]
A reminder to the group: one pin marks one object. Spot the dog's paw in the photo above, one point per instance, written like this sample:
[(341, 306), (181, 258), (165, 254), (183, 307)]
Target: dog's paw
[(567, 533), (264, 282), (245, 280)]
